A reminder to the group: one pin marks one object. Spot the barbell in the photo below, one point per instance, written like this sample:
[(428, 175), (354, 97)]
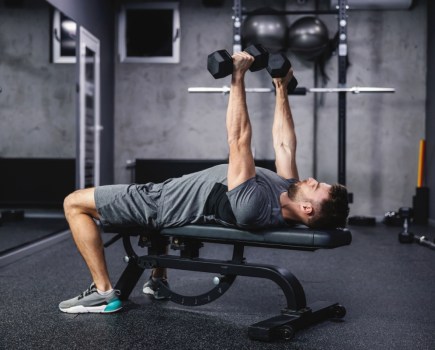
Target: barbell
[(298, 91)]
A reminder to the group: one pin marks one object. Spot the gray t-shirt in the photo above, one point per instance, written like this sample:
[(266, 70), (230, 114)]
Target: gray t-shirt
[(202, 197)]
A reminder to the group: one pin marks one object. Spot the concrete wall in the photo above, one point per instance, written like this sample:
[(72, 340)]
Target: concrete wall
[(97, 17), (37, 105), (386, 48), (155, 117), (430, 113)]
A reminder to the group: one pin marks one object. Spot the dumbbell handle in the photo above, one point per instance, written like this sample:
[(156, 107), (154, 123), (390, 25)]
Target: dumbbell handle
[(424, 241), (260, 54), (260, 61)]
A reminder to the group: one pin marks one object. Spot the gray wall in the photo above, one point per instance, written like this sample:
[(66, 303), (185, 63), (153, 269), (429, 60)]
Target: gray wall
[(37, 105), (39, 102), (430, 116), (155, 117), (97, 17)]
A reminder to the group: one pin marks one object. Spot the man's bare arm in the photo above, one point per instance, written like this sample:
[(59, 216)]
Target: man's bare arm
[(283, 131), (241, 165)]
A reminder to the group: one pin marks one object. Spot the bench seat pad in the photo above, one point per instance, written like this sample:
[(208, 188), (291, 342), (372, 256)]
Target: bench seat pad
[(299, 237)]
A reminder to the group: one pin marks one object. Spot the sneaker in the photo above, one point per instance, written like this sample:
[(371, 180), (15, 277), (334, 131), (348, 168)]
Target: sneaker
[(150, 288), (91, 301)]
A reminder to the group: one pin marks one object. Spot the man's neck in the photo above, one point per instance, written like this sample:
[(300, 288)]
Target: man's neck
[(289, 209)]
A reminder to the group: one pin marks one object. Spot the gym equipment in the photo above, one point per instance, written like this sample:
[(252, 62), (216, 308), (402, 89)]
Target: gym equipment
[(189, 239), (420, 202), (342, 22), (421, 156), (278, 66), (377, 4), (392, 218), (405, 236), (308, 37), (298, 91), (220, 62), (268, 30)]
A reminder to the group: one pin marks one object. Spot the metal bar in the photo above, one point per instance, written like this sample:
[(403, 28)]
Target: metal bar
[(300, 12), (342, 73), (129, 278), (354, 89), (112, 240), (289, 284), (237, 26), (226, 89)]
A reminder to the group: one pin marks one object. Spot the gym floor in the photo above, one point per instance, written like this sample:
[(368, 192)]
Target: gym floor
[(387, 289)]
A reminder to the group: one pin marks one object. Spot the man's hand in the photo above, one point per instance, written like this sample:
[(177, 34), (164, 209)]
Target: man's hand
[(241, 63), (283, 81)]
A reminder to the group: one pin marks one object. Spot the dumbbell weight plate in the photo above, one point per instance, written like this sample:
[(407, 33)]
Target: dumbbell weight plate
[(292, 85), (278, 65), (220, 64)]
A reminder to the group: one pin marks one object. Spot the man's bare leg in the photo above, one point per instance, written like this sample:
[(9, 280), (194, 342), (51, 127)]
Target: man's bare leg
[(159, 272), (80, 212)]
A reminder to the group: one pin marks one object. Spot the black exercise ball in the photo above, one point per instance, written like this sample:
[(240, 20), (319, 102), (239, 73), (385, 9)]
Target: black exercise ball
[(267, 30), (308, 37)]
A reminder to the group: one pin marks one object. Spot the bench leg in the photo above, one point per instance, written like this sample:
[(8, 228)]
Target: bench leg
[(129, 278), (285, 325)]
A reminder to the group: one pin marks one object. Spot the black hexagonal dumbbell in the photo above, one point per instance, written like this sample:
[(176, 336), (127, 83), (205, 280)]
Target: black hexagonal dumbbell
[(278, 66), (220, 63)]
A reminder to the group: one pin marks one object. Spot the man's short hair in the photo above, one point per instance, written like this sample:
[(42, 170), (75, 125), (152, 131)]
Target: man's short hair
[(331, 212)]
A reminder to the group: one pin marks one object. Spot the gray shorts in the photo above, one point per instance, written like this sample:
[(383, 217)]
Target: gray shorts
[(128, 205)]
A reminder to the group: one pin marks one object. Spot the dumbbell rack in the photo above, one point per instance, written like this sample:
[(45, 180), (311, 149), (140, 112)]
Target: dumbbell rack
[(341, 13)]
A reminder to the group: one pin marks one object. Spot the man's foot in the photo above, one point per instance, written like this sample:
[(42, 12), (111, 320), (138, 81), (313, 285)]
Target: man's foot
[(150, 287), (92, 301)]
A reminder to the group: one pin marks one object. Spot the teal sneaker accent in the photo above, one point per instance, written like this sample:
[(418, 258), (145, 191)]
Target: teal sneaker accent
[(91, 301), (113, 306)]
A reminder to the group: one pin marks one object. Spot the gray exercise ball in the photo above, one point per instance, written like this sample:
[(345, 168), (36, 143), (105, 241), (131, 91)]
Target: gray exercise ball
[(267, 30), (308, 38)]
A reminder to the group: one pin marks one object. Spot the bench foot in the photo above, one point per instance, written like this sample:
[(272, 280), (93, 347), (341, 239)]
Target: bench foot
[(129, 278), (284, 326)]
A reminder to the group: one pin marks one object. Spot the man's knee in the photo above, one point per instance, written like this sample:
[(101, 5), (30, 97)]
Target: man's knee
[(80, 202), (71, 203)]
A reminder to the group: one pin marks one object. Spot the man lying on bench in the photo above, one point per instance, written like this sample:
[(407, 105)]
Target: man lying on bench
[(237, 195)]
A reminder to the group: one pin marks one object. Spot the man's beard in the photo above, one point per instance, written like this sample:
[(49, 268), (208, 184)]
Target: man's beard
[(293, 191)]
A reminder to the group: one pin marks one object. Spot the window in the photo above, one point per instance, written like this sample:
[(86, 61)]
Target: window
[(149, 33), (64, 33)]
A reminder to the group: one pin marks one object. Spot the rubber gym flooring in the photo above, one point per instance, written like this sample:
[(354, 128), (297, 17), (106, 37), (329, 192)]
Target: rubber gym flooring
[(387, 288), (18, 233)]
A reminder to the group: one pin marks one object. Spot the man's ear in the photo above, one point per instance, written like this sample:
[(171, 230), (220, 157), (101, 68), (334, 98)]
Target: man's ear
[(306, 208)]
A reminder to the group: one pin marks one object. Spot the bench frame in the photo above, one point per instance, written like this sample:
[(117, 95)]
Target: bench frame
[(295, 316)]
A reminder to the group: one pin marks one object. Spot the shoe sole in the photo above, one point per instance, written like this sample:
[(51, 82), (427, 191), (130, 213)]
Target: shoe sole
[(149, 291), (114, 306)]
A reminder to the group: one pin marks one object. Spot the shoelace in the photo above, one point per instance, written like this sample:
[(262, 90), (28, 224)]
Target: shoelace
[(88, 291), (93, 289)]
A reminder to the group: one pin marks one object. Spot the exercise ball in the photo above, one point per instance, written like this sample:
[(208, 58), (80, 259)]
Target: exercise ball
[(267, 30), (308, 38)]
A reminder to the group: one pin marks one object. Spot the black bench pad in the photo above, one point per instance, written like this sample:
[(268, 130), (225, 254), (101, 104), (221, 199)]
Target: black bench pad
[(300, 237)]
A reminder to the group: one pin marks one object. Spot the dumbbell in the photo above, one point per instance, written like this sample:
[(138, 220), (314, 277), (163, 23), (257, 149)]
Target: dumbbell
[(220, 63), (405, 236), (278, 67)]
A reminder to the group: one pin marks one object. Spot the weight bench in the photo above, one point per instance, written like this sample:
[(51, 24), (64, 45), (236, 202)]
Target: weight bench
[(189, 239)]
